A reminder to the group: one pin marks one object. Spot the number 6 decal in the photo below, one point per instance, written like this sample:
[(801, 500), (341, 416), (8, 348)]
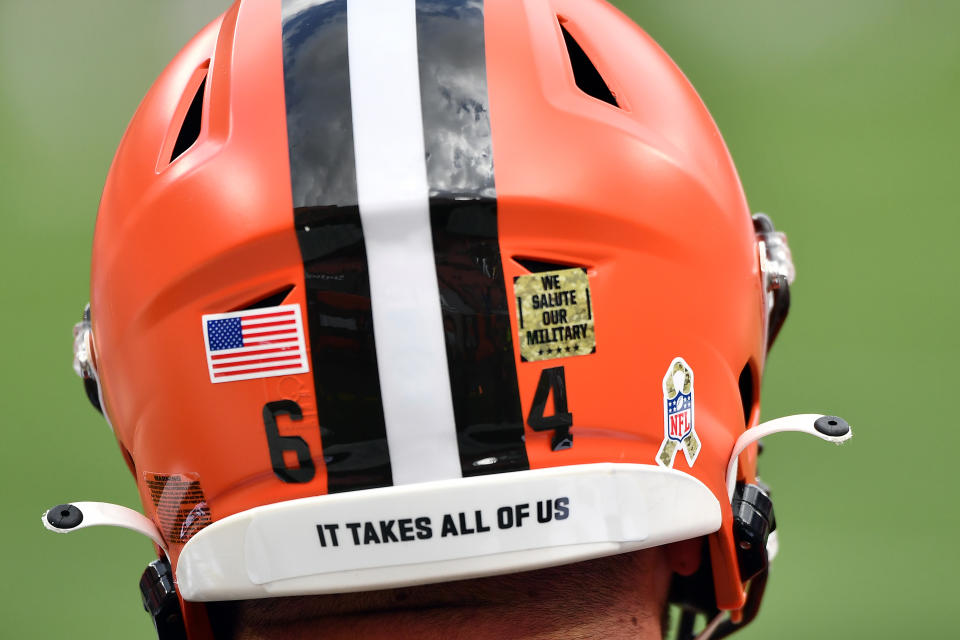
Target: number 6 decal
[(278, 443), (552, 379)]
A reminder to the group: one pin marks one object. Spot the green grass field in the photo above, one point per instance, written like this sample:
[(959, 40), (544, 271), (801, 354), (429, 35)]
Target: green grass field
[(842, 118)]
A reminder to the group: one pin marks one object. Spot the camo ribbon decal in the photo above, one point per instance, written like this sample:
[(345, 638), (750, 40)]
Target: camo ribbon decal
[(678, 416)]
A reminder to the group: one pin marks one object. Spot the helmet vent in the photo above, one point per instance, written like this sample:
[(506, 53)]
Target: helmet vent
[(190, 129), (746, 392), (585, 73), (273, 300), (538, 266)]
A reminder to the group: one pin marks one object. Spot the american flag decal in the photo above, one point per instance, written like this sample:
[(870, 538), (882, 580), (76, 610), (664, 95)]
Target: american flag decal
[(259, 343)]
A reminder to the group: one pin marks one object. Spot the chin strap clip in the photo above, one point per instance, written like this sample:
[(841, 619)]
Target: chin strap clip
[(156, 584), (161, 602), (754, 523)]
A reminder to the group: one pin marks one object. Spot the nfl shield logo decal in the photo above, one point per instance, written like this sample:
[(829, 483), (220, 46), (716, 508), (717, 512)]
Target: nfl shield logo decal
[(678, 416)]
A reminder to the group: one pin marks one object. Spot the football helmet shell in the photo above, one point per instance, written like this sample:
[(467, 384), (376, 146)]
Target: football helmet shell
[(403, 178)]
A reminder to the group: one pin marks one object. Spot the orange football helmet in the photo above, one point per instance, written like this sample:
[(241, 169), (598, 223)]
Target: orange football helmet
[(389, 292)]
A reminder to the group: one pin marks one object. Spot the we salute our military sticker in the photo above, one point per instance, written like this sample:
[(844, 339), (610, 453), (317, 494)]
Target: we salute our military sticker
[(678, 417), (555, 314)]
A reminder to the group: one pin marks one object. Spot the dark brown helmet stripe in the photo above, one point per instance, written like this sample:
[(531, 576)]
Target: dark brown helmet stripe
[(327, 218), (463, 215)]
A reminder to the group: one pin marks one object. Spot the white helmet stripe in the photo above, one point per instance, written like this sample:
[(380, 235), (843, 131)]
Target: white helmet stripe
[(394, 210)]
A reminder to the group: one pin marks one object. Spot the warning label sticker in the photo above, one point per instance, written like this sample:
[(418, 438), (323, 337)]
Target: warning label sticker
[(182, 509), (555, 314)]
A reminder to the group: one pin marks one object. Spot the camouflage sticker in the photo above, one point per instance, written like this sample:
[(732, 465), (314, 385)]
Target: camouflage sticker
[(678, 418), (555, 315)]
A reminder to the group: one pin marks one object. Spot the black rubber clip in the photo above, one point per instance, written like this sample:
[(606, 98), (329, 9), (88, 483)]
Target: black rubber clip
[(161, 602)]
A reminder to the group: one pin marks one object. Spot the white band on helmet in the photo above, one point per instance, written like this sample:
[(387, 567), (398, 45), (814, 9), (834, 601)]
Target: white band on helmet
[(444, 530), (94, 514), (802, 422)]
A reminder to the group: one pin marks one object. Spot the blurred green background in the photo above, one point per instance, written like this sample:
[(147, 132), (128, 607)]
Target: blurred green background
[(843, 120)]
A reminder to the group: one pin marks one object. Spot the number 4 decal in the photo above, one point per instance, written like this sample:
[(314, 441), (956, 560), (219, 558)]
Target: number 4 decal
[(552, 379)]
